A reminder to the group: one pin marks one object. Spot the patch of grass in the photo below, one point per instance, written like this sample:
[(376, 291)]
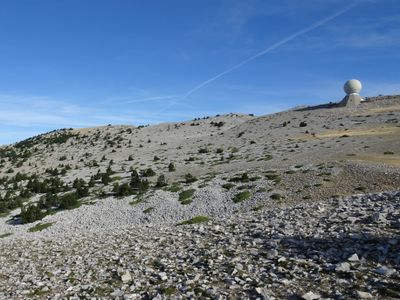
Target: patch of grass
[(228, 186), (186, 194), (240, 178), (361, 188), (276, 196), (274, 177), (40, 227), (148, 210), (255, 178), (2, 236), (136, 201), (261, 190), (38, 293), (174, 188), (388, 153), (244, 187), (185, 197), (169, 291), (306, 197), (195, 220), (242, 196)]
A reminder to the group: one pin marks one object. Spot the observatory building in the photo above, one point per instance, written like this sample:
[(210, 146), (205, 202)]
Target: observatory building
[(352, 89)]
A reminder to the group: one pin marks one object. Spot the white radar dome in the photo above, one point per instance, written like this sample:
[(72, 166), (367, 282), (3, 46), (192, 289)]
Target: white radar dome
[(352, 86)]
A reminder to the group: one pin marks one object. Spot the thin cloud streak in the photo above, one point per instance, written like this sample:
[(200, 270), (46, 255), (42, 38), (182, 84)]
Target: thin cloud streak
[(138, 100), (273, 47)]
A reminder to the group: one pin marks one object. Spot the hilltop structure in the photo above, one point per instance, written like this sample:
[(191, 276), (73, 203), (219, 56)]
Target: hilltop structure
[(352, 89)]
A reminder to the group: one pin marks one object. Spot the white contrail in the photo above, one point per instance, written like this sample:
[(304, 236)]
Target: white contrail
[(274, 46)]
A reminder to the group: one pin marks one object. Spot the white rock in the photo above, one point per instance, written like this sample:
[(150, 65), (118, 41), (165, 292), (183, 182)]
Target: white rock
[(126, 277), (163, 276), (353, 257), (310, 296), (342, 267), (364, 295)]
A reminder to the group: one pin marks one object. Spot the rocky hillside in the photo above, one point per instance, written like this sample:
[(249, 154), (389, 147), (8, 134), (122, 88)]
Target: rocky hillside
[(273, 195)]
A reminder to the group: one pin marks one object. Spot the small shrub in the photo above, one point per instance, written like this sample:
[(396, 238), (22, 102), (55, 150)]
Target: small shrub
[(361, 188), (189, 178), (195, 220), (187, 194), (241, 196), (276, 196), (123, 190), (148, 172), (148, 210), (69, 201), (161, 181), (228, 186), (388, 153), (171, 167), (2, 236), (203, 150), (174, 188), (40, 227), (31, 214)]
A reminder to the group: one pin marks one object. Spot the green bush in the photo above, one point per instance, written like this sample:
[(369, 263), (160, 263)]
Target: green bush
[(189, 178), (171, 167), (68, 201), (187, 194), (31, 214), (40, 227), (195, 220), (161, 181), (242, 196), (228, 186), (123, 190), (276, 196), (148, 172)]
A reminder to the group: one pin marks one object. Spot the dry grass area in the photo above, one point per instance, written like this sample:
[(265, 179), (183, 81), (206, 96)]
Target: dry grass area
[(386, 130), (378, 110), (393, 160)]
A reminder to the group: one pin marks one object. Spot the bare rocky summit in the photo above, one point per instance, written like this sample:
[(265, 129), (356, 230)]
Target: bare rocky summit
[(302, 204)]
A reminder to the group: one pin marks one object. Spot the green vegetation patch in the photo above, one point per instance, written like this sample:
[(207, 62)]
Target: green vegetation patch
[(242, 196), (185, 196), (40, 227), (2, 236), (228, 186), (174, 188), (274, 177), (276, 196), (148, 210), (195, 220)]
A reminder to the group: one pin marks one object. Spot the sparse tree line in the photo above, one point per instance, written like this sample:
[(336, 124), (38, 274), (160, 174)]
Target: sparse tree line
[(58, 195)]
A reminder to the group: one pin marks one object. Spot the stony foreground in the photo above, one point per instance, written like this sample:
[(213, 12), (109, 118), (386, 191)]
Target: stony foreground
[(339, 249)]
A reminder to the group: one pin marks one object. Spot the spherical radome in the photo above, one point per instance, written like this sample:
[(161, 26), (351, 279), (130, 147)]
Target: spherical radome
[(352, 86)]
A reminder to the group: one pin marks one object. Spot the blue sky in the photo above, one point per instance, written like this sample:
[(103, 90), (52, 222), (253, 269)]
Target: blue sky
[(79, 63)]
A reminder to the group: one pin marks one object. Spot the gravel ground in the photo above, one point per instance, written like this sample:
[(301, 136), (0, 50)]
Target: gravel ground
[(342, 248)]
